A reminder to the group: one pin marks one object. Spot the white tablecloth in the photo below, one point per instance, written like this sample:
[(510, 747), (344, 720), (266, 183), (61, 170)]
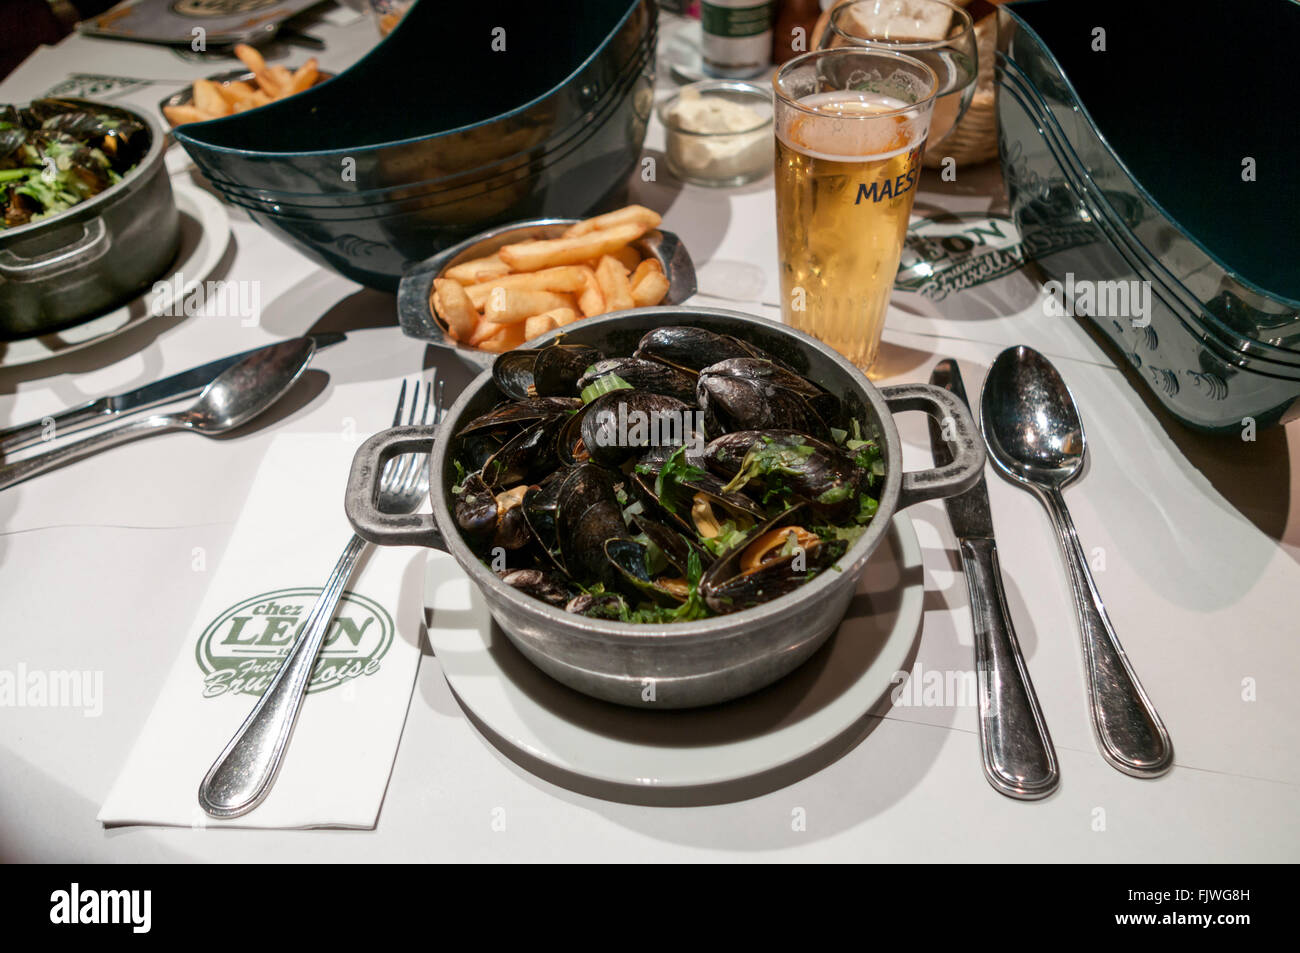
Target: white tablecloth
[(1199, 540)]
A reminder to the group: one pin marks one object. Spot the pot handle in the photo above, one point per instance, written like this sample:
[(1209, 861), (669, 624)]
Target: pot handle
[(967, 466), (91, 244), (372, 525)]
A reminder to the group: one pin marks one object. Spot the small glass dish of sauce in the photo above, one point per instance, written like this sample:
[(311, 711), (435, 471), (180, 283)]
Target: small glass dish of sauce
[(719, 132)]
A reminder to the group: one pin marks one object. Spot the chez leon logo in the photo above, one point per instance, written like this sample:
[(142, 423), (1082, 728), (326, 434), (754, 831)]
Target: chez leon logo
[(947, 253), (242, 648)]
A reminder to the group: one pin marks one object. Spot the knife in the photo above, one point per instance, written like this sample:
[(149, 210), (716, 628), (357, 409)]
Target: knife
[(1019, 760), (184, 384)]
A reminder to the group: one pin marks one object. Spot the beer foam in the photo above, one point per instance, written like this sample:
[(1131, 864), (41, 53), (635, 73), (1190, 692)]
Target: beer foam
[(841, 133)]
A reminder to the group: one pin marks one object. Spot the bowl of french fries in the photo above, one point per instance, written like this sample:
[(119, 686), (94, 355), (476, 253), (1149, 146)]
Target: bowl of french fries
[(237, 91), (506, 286)]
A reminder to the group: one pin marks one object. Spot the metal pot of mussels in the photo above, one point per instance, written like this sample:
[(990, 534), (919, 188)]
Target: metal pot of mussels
[(87, 219), (666, 507)]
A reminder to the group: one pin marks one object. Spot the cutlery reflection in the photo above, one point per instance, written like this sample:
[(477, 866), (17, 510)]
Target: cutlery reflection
[(1035, 438), (1019, 760), (239, 394)]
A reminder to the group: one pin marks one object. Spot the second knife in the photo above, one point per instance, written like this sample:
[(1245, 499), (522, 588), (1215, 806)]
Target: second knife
[(1019, 760)]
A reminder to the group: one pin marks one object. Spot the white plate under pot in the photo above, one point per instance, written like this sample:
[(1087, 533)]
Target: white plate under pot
[(722, 753)]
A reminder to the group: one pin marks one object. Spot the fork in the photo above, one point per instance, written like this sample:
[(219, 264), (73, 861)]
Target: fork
[(245, 771)]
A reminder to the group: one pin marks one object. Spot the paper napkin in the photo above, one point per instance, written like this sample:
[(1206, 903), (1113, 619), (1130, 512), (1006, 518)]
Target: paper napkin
[(284, 546)]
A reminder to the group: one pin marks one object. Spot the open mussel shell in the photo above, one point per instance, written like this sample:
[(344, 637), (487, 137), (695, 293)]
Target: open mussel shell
[(520, 413), (727, 586), (811, 470), (550, 587), (475, 509), (513, 531), (621, 424), (694, 349), (490, 517), (678, 512), (676, 548), (529, 453), (653, 376), (539, 505), (550, 371), (628, 558)]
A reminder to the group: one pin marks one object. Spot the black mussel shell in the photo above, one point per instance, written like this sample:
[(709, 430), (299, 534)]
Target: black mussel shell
[(750, 394), (550, 371), (558, 367), (676, 548), (653, 376), (694, 349), (475, 509), (587, 515), (513, 373), (727, 588), (521, 412), (622, 423), (550, 587), (540, 504), (628, 557), (477, 448), (528, 454), (513, 531)]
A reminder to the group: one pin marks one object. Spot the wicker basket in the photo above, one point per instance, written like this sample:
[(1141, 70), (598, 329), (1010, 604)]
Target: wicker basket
[(975, 138)]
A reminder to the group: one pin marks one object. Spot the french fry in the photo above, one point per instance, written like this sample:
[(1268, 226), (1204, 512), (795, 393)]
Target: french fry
[(564, 316), (453, 306), (250, 57), (650, 290), (208, 99), (566, 278), (235, 92), (644, 268), (592, 300), (547, 253), (613, 285), (282, 77), (510, 306), (478, 269), (179, 115), (628, 257), (303, 77), (485, 331), (631, 214), (540, 323), (511, 336)]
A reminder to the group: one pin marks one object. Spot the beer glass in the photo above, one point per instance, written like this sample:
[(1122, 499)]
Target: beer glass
[(938, 33), (850, 129)]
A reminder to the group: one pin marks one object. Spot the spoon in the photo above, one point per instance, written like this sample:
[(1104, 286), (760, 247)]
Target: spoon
[(233, 398), (1035, 437)]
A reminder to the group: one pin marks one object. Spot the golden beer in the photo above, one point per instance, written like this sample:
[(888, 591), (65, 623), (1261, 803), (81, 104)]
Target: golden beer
[(848, 163)]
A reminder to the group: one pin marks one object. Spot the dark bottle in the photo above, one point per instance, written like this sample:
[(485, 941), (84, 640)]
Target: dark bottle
[(792, 29)]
